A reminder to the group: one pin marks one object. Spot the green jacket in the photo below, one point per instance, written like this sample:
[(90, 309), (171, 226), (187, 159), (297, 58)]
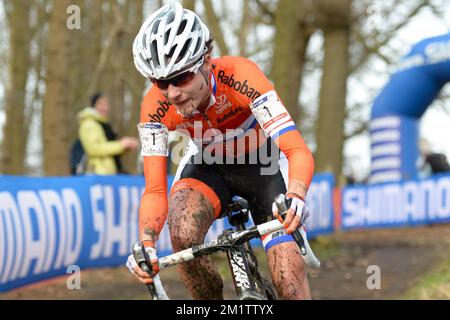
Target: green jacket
[(99, 151)]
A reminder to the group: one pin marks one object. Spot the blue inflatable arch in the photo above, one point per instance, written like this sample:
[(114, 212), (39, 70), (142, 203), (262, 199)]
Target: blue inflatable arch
[(394, 125)]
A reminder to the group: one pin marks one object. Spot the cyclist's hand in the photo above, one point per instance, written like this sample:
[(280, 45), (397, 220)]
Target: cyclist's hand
[(296, 216), (140, 274)]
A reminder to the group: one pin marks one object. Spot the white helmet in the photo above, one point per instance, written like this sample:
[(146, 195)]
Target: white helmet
[(171, 41)]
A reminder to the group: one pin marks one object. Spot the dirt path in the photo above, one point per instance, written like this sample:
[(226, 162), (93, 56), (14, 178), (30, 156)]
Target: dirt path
[(403, 255)]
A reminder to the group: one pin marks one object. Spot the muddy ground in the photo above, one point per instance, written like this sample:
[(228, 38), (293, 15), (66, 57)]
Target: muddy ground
[(403, 256)]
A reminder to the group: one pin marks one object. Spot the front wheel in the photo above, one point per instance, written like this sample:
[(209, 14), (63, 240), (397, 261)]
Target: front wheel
[(249, 295), (269, 289), (264, 286)]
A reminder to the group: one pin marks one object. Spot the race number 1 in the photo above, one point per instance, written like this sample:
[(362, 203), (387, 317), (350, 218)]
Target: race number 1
[(271, 113), (154, 139)]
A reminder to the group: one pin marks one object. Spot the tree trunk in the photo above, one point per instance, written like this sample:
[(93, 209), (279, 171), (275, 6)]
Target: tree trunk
[(14, 132), (291, 39), (214, 25), (247, 22), (81, 57), (55, 117), (330, 127), (189, 4), (135, 87)]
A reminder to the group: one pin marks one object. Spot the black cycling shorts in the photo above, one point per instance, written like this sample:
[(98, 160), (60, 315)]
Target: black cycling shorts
[(244, 180)]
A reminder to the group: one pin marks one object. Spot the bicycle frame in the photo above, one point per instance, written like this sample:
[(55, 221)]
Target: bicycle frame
[(243, 264), (227, 241)]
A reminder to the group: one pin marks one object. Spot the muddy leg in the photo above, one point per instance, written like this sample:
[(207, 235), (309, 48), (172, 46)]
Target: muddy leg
[(190, 216), (287, 269)]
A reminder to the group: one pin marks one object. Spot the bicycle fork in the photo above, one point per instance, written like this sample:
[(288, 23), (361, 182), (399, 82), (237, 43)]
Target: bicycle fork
[(243, 282), (242, 274)]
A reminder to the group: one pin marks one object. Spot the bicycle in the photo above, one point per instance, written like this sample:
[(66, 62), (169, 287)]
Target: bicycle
[(248, 282)]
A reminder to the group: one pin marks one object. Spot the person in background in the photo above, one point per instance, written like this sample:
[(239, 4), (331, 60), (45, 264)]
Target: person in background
[(100, 143), (438, 162), (432, 162)]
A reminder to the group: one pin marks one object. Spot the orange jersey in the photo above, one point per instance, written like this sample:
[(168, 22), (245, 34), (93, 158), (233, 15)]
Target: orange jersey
[(243, 101)]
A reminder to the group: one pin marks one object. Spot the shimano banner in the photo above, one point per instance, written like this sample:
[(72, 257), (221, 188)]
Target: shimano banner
[(397, 204), (320, 203), (50, 224)]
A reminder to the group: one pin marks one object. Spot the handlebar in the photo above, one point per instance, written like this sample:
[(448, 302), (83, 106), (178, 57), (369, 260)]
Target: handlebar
[(225, 241)]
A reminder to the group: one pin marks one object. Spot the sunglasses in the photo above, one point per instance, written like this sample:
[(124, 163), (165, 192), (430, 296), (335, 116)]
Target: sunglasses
[(177, 81), (181, 79)]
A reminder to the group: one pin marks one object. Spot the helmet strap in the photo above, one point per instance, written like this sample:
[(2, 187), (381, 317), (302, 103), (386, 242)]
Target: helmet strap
[(204, 76)]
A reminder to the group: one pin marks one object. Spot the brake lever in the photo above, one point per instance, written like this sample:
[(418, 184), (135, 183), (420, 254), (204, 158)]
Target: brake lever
[(280, 202), (143, 261)]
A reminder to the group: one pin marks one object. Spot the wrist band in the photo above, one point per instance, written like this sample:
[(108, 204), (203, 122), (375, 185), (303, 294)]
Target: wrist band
[(296, 195), (151, 243)]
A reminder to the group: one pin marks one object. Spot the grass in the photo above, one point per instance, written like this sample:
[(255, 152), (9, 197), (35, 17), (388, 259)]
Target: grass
[(325, 247), (433, 285)]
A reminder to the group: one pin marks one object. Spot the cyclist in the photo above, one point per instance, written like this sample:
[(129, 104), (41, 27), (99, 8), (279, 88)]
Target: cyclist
[(207, 98)]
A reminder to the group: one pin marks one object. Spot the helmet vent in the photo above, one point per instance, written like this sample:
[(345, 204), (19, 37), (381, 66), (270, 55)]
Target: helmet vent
[(155, 27), (166, 37), (197, 47), (172, 51), (154, 49), (182, 27), (183, 51)]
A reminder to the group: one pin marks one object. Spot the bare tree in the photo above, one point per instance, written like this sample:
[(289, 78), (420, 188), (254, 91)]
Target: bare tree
[(54, 116), (115, 30), (189, 4), (213, 22), (330, 127), (15, 131), (134, 82), (293, 31), (367, 43)]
